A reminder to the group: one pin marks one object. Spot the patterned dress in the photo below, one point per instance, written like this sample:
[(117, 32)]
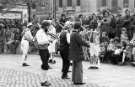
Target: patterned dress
[(94, 49)]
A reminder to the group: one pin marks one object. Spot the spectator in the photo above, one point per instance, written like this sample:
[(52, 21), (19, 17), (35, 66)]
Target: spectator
[(76, 54)]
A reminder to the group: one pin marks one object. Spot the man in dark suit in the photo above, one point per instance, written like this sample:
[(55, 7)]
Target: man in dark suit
[(76, 54), (64, 50)]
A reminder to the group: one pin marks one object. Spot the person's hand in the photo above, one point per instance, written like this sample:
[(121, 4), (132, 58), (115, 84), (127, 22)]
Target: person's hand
[(50, 41)]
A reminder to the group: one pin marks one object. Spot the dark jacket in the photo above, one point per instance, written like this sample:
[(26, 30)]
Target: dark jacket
[(76, 43), (64, 46)]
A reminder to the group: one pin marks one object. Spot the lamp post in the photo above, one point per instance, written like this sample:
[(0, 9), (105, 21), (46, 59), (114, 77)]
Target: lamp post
[(29, 10), (54, 10)]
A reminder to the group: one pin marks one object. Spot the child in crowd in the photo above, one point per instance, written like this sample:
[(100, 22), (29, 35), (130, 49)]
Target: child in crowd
[(117, 54), (104, 43), (124, 36), (127, 54)]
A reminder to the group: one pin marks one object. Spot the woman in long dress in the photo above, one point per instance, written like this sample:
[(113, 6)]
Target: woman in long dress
[(27, 37), (95, 50)]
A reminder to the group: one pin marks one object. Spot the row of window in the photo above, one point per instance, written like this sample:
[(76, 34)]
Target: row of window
[(104, 3), (115, 3), (69, 3)]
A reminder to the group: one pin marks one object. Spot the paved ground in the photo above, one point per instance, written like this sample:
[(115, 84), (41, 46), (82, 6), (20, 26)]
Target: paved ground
[(12, 74)]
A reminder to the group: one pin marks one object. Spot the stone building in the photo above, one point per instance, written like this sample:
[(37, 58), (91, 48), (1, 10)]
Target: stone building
[(92, 6), (46, 7)]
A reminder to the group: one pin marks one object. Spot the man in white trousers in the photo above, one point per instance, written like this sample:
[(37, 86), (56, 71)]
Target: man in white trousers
[(26, 39)]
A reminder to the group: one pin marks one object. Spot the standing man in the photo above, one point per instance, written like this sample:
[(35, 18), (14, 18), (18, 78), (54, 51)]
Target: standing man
[(43, 41), (64, 50), (76, 54)]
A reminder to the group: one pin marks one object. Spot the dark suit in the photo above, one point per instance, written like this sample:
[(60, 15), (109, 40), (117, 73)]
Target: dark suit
[(76, 55), (64, 52)]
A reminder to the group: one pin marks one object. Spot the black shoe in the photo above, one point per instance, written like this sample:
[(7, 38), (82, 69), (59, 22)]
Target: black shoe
[(93, 67), (52, 61), (79, 83), (46, 83), (69, 71), (25, 64), (65, 77), (45, 67)]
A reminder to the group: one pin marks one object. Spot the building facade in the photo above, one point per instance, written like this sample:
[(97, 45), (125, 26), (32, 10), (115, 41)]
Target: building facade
[(46, 7), (92, 6), (68, 6), (120, 4)]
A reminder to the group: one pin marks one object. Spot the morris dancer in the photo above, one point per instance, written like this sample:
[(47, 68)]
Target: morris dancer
[(51, 48), (43, 40), (27, 37)]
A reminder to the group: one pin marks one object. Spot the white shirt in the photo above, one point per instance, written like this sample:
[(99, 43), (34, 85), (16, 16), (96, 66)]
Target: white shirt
[(68, 37), (117, 51), (27, 35), (42, 37)]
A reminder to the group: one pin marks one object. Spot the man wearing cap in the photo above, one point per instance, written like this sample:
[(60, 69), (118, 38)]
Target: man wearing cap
[(27, 37)]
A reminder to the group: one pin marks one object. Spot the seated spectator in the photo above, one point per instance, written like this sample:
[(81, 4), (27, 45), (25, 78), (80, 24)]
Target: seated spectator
[(117, 56), (127, 54), (111, 46), (110, 49)]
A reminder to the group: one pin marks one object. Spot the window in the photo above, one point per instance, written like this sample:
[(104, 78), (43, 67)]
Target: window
[(104, 3), (126, 3), (60, 3), (78, 2), (134, 3), (114, 3), (69, 2)]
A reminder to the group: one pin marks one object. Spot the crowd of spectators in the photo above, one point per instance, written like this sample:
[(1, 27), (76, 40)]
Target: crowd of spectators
[(117, 33), (10, 35)]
